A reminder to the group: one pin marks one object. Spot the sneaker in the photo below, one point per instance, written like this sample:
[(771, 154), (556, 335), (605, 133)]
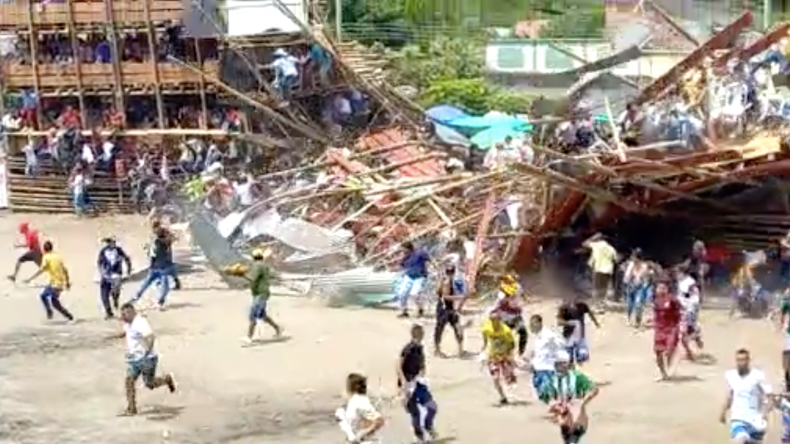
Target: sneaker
[(432, 435), (246, 340), (171, 383), (161, 307), (403, 314), (11, 278)]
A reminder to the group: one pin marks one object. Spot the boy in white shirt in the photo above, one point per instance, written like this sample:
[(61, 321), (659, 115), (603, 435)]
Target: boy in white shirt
[(359, 420), (747, 401), (689, 298), (544, 353)]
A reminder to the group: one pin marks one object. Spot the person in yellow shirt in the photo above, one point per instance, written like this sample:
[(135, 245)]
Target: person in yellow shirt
[(603, 258), (58, 276), (498, 347)]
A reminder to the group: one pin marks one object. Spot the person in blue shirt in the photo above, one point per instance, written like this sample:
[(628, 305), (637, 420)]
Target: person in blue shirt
[(110, 263), (161, 254), (415, 270)]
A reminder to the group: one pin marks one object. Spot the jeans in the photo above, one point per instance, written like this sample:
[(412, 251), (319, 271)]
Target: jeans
[(406, 288), (283, 86), (80, 202), (155, 274), (636, 297), (421, 396), (50, 297), (109, 291)]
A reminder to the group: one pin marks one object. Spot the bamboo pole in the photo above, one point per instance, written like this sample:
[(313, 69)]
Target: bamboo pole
[(297, 126), (152, 48), (432, 203), (32, 37), (116, 60), (203, 102), (447, 187), (354, 215), (618, 144), (394, 166), (392, 227), (77, 61)]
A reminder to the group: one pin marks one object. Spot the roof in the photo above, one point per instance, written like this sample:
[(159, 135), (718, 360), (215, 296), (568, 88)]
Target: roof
[(620, 25)]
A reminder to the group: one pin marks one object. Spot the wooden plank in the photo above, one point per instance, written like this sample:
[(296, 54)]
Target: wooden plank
[(88, 13), (765, 42)]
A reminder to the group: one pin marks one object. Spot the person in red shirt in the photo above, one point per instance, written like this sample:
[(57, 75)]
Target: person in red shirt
[(32, 243), (666, 325)]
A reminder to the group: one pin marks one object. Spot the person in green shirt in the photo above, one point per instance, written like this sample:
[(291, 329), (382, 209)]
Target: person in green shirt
[(259, 276), (567, 396)]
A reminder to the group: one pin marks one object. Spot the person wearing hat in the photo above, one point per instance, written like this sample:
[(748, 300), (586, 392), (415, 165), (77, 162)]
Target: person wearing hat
[(110, 264), (32, 243), (286, 72), (260, 276), (498, 347), (568, 390), (451, 292), (508, 305)]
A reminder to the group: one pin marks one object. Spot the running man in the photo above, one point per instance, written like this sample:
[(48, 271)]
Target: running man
[(667, 314), (259, 275), (571, 317), (451, 293), (161, 254), (415, 271), (568, 394), (359, 420), (637, 287), (509, 307), (689, 298), (412, 382), (544, 354), (141, 359), (110, 264), (747, 401), (498, 347), (603, 258), (31, 241), (58, 276)]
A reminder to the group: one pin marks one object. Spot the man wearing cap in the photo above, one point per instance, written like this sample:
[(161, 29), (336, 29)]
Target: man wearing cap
[(30, 241), (567, 395), (286, 72), (110, 263), (259, 276)]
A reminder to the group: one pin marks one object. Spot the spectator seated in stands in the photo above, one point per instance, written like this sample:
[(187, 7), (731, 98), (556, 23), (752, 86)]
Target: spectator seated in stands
[(29, 108), (69, 119), (10, 123)]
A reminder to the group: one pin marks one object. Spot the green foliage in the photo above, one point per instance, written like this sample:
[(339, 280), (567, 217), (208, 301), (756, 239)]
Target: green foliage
[(578, 21), (441, 59), (476, 96)]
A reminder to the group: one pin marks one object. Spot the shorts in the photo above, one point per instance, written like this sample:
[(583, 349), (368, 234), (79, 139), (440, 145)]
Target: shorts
[(30, 256), (572, 435), (579, 352), (666, 341), (145, 367), (502, 368), (258, 309), (542, 378), (742, 429)]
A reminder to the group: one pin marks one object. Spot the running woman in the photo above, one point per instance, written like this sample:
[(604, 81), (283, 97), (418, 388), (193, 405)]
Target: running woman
[(412, 382), (747, 401), (547, 345), (259, 275), (141, 359), (359, 419), (571, 317), (58, 276), (498, 347), (509, 307), (451, 293), (110, 263), (667, 314), (31, 241), (689, 298), (637, 285), (568, 394)]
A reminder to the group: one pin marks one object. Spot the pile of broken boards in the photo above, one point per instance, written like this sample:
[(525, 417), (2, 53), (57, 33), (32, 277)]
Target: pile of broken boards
[(337, 224)]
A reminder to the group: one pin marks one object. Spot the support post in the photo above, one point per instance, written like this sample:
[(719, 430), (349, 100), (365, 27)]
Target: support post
[(339, 20), (77, 61), (114, 54), (203, 104), (33, 41), (160, 108)]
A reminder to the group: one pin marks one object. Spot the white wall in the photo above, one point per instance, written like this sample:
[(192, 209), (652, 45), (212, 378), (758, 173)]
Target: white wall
[(256, 17)]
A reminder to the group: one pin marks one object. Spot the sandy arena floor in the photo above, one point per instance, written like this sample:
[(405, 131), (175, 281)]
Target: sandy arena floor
[(64, 383)]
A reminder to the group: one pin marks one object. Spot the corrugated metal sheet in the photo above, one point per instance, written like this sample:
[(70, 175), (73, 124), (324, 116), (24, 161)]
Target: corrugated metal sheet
[(392, 136)]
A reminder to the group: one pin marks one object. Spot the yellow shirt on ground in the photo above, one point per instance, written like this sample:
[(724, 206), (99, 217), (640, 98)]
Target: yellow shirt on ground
[(52, 265), (500, 342), (602, 257)]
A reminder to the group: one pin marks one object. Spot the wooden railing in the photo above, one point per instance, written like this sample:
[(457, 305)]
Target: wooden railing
[(124, 11), (16, 75)]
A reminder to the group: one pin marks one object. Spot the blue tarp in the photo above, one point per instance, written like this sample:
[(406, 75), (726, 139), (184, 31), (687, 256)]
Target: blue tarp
[(487, 138), (445, 113), (449, 136), (487, 121)]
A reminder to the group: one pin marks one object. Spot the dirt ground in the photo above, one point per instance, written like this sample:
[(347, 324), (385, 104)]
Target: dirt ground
[(64, 383)]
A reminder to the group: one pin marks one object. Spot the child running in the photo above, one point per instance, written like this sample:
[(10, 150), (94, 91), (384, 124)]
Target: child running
[(59, 281), (498, 348), (416, 394), (568, 394), (689, 298)]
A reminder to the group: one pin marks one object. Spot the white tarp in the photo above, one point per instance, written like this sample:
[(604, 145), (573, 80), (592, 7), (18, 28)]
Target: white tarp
[(256, 17)]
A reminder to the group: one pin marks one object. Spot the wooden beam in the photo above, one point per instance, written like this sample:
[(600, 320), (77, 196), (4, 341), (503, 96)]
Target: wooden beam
[(203, 103), (116, 60), (77, 61), (152, 48), (33, 42)]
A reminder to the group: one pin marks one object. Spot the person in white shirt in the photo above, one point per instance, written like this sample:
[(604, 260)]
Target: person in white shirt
[(689, 298), (31, 159), (747, 401), (141, 360), (286, 72), (87, 154), (359, 420), (243, 191), (544, 353)]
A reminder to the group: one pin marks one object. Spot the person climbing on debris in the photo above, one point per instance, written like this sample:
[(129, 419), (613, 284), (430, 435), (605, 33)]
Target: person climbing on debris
[(286, 73)]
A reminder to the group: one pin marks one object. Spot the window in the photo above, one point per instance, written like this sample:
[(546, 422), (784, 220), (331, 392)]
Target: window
[(510, 57)]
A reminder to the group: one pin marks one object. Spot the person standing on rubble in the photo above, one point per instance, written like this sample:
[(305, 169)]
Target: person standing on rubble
[(603, 258), (286, 73), (415, 270)]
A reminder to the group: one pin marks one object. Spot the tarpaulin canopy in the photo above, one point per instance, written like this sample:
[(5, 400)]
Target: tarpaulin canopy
[(448, 136), (487, 138), (445, 113), (488, 121)]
